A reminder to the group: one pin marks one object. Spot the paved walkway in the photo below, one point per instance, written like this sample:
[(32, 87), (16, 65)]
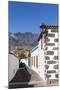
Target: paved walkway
[(26, 77), (36, 80)]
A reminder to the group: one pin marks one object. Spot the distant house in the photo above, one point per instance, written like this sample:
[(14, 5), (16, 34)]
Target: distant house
[(13, 65), (44, 57)]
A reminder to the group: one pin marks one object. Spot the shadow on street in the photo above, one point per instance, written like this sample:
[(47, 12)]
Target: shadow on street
[(21, 78)]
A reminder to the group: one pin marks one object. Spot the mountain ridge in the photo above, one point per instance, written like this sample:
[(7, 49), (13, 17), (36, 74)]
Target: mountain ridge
[(19, 39)]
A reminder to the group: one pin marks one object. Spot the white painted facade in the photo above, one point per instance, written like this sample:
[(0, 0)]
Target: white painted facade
[(42, 64), (34, 53), (13, 65), (41, 61), (45, 47)]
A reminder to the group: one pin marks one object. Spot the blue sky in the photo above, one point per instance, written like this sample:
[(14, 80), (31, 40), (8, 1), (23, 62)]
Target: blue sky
[(27, 17)]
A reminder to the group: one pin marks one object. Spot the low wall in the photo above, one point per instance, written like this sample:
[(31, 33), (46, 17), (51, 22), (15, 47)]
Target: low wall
[(13, 65)]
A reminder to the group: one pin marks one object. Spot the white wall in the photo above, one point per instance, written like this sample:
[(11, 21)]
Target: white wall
[(13, 65), (34, 53), (41, 62), (39, 45)]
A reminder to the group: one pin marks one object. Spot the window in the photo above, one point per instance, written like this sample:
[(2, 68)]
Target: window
[(37, 61), (34, 60)]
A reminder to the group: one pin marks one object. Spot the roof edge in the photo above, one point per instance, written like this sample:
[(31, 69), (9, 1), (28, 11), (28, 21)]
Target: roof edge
[(48, 26)]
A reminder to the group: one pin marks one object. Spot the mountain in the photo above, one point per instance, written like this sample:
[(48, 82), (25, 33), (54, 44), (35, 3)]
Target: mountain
[(20, 39)]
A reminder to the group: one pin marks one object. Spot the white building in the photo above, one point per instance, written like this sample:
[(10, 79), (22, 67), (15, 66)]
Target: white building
[(44, 56), (13, 65), (38, 61)]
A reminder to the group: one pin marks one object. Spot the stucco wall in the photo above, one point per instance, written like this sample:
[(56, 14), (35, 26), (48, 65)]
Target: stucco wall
[(34, 53), (13, 65), (39, 45), (41, 62)]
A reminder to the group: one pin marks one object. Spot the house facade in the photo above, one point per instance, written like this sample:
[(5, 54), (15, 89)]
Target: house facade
[(47, 53)]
